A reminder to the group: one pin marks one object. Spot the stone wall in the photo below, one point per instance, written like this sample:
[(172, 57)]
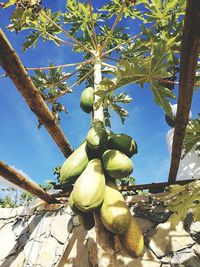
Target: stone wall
[(50, 236)]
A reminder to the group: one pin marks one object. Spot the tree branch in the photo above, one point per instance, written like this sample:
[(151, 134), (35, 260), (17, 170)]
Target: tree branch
[(188, 62), (18, 179), (11, 63)]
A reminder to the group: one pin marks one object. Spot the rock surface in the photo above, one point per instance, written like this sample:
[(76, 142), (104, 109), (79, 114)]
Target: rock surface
[(50, 236)]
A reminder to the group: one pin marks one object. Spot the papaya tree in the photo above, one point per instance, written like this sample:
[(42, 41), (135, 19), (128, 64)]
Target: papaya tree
[(113, 58)]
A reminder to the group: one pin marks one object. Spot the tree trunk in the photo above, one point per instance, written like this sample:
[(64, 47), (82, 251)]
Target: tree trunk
[(104, 238)]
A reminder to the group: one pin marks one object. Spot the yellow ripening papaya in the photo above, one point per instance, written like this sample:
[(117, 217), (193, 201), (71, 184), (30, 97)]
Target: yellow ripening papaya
[(132, 240), (116, 164), (86, 219), (115, 214), (89, 188), (74, 165)]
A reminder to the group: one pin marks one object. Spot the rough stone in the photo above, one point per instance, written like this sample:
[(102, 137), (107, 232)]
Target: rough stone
[(185, 258), (59, 227), (167, 240), (16, 260), (25, 211), (7, 213), (43, 226), (7, 241)]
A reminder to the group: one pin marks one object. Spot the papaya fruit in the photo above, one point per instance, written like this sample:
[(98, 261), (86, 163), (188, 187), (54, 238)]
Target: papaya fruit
[(89, 188), (116, 164), (86, 219), (115, 214), (74, 165), (124, 143), (132, 240), (87, 99), (97, 137)]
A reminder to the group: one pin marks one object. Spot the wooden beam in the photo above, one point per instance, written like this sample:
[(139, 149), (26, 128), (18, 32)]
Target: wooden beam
[(188, 62), (18, 179), (134, 187), (14, 68)]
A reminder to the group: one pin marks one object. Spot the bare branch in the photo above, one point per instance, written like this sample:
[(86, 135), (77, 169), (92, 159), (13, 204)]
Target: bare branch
[(188, 62), (13, 66), (18, 179)]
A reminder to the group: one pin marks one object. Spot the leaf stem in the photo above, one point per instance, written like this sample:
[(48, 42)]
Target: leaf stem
[(66, 33), (74, 84), (59, 66), (108, 65), (113, 27), (125, 42), (59, 39), (93, 27)]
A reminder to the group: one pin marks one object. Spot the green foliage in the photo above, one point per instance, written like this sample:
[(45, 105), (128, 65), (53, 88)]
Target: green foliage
[(51, 85), (192, 136), (40, 26), (78, 17), (130, 9), (181, 199), (149, 69)]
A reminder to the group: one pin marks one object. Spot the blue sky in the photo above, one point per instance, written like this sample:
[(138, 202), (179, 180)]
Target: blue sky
[(35, 153)]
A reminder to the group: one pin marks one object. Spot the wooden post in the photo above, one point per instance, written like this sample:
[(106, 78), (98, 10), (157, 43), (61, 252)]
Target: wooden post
[(14, 68), (188, 62), (18, 179)]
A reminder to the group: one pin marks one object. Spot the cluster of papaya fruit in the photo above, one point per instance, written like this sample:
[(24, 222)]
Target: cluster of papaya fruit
[(93, 168)]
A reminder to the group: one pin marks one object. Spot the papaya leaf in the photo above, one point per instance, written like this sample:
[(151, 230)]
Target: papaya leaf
[(192, 136), (9, 3), (78, 17), (182, 199), (161, 95), (130, 10), (51, 85)]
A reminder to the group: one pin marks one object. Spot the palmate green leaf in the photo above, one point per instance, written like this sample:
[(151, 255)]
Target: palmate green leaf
[(161, 95), (118, 36), (149, 69), (192, 137), (161, 12), (40, 26), (114, 6), (78, 17), (182, 199)]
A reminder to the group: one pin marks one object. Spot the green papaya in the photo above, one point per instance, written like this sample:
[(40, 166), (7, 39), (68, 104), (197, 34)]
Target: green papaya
[(123, 143), (132, 240), (97, 137), (115, 214), (89, 188), (74, 165), (87, 100), (117, 164), (86, 219)]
